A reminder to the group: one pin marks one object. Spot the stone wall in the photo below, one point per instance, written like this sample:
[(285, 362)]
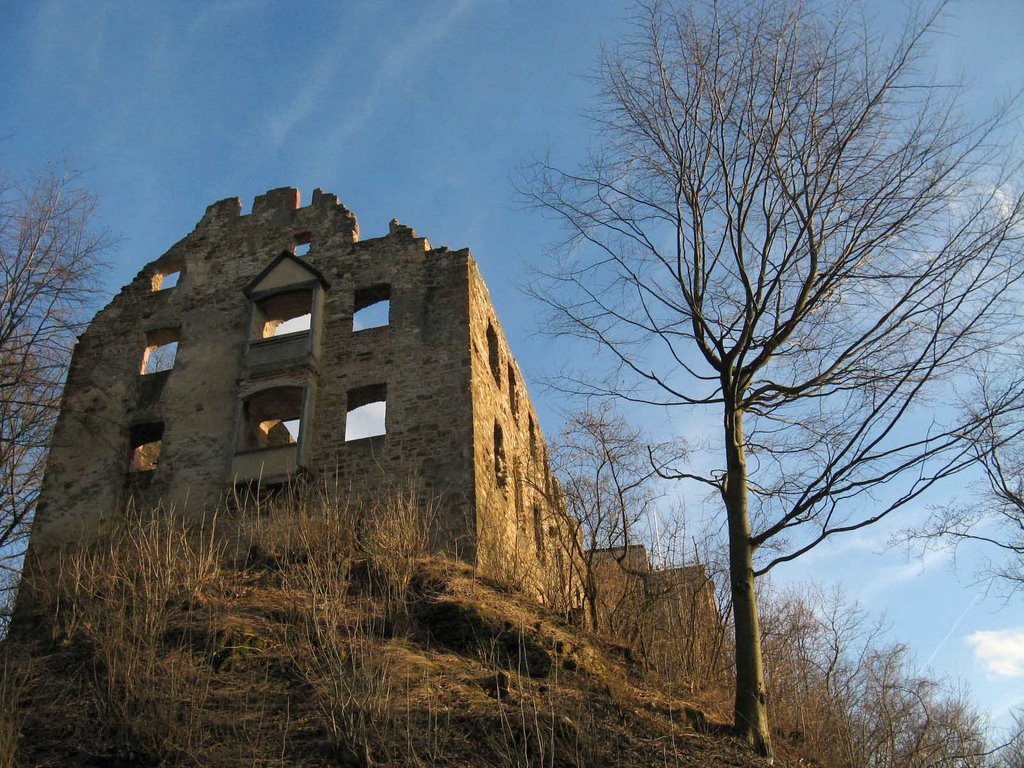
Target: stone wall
[(220, 417), (670, 615), (518, 513)]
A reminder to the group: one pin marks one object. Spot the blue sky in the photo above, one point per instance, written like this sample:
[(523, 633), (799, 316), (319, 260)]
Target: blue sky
[(424, 111)]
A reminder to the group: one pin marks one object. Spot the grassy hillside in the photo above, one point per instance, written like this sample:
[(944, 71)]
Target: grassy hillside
[(319, 637)]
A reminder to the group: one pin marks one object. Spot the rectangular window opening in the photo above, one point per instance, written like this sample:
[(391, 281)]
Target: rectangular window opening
[(371, 308), (161, 350), (145, 443), (271, 418), (166, 278), (283, 313), (366, 414), (302, 243)]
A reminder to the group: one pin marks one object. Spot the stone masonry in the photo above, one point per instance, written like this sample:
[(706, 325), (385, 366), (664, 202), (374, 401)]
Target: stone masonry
[(177, 396)]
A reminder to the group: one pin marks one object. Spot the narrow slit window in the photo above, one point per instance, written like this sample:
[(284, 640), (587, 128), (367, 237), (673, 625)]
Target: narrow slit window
[(538, 534), (271, 418), (533, 438), (500, 473), (492, 353), (371, 308), (161, 350), (283, 313), (366, 414), (513, 392), (145, 443)]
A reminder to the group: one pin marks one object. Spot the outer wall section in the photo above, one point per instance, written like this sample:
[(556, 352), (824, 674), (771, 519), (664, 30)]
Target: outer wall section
[(421, 357), (520, 526)]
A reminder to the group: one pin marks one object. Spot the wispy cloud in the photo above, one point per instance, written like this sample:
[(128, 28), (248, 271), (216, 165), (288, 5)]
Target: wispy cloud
[(894, 575), (328, 73), (324, 74), (1001, 651), (410, 48)]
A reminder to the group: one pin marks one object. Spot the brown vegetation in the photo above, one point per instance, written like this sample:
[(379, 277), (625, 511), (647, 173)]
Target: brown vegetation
[(301, 632)]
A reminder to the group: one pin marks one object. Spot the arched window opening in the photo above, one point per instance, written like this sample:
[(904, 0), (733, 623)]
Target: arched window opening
[(271, 418), (283, 313), (366, 414)]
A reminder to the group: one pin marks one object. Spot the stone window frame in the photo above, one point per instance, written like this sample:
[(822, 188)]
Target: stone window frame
[(513, 390), (162, 271), (366, 394), (493, 353), (305, 411), (140, 435), (538, 534), (303, 244), (500, 457), (157, 338), (264, 297), (314, 283), (367, 296)]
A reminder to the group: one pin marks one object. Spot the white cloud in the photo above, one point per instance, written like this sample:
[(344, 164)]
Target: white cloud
[(1001, 651)]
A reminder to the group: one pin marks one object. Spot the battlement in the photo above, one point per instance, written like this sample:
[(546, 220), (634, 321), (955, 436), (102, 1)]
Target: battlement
[(282, 207)]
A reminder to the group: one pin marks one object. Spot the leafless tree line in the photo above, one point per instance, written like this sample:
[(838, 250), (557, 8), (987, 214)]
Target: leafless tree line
[(50, 263), (839, 692), (788, 222)]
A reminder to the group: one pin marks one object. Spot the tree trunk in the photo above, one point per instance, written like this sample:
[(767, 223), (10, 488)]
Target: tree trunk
[(750, 711), (591, 593)]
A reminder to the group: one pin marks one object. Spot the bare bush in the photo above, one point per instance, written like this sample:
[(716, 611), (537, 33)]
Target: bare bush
[(394, 534), (843, 696), (16, 681), (119, 599), (351, 676)]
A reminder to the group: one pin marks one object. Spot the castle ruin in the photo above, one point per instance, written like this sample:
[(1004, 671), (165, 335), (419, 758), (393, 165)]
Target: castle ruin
[(273, 345)]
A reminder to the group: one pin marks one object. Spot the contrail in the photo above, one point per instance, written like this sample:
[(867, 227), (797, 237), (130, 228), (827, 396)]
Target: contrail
[(952, 629)]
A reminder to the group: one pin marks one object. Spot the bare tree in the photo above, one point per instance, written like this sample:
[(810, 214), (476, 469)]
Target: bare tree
[(607, 484), (842, 696), (1011, 754), (993, 516), (786, 222), (50, 262)]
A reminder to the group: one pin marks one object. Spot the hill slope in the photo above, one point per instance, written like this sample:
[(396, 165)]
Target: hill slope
[(163, 650)]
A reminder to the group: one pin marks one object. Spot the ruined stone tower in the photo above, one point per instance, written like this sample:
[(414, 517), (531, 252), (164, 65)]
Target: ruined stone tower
[(254, 350)]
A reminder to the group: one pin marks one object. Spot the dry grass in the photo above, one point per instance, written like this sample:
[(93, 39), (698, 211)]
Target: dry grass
[(303, 632)]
